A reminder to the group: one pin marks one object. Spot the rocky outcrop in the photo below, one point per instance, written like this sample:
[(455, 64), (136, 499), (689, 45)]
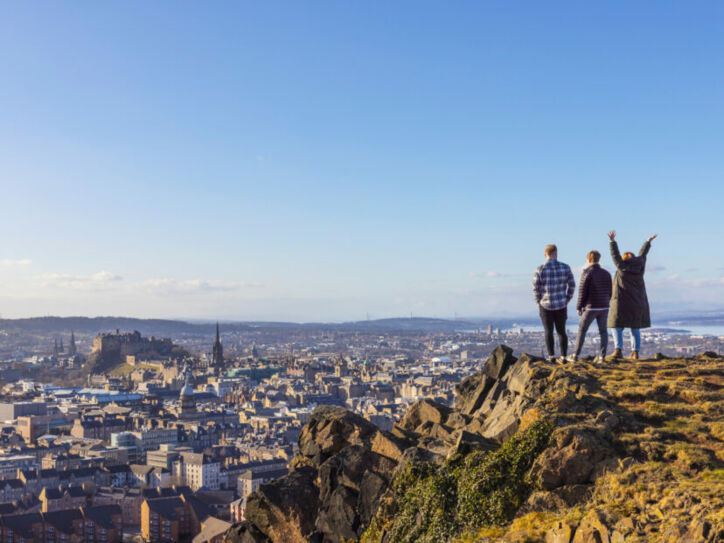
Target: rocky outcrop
[(525, 437)]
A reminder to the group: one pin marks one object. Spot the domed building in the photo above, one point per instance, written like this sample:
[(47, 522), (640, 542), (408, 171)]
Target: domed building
[(187, 400)]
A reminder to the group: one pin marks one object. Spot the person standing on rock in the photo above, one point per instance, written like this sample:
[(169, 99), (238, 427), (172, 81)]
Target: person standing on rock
[(629, 303), (553, 288), (594, 297)]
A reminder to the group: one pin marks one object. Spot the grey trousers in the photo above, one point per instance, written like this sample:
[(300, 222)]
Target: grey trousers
[(600, 316)]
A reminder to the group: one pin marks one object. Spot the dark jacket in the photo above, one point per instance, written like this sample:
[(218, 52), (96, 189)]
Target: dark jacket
[(629, 303), (594, 290)]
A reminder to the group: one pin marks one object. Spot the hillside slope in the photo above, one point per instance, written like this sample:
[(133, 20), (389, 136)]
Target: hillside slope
[(532, 451)]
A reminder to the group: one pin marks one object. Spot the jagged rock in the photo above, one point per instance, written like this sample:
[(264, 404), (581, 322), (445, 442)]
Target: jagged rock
[(330, 429), (560, 532), (433, 429), (466, 442), (499, 362), (543, 501), (372, 487), (337, 519), (504, 419), (246, 532), (341, 480), (596, 528), (572, 458), (526, 378), (435, 446), (457, 420), (348, 467), (424, 411), (389, 445), (285, 509), (472, 391)]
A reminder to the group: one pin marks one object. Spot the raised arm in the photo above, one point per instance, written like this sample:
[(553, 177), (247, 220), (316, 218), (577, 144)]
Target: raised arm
[(615, 254), (646, 247)]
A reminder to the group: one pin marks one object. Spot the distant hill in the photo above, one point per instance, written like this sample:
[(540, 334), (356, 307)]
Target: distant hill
[(97, 325), (167, 327)]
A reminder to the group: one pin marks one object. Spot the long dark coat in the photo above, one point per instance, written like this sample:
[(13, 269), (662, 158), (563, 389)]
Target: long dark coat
[(629, 303)]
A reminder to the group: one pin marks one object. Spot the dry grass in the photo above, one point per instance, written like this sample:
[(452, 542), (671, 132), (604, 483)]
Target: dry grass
[(673, 426)]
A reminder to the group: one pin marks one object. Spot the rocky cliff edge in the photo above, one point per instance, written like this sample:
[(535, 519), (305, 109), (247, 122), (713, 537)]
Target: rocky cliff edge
[(531, 451)]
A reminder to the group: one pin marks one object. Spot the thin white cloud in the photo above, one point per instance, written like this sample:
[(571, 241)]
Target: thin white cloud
[(95, 281), (167, 286), (488, 275), (9, 262)]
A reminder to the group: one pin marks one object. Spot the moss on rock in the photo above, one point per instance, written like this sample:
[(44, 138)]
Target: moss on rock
[(466, 493)]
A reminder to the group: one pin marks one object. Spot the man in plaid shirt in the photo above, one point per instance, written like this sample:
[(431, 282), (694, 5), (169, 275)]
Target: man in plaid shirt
[(553, 288)]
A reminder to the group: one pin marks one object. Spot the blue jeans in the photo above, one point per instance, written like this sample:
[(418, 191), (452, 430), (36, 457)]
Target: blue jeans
[(635, 339)]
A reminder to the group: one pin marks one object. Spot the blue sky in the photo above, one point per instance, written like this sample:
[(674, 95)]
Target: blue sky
[(325, 160)]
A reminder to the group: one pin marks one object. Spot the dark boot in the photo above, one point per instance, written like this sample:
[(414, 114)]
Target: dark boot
[(634, 355), (617, 354)]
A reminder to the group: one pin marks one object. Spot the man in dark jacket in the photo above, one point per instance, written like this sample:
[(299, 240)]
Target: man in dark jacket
[(594, 295), (629, 303)]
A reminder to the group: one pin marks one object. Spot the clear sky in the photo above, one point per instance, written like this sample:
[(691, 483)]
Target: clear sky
[(329, 160)]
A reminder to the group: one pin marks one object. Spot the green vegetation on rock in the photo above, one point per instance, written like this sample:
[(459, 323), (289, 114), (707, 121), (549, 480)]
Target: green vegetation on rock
[(439, 503)]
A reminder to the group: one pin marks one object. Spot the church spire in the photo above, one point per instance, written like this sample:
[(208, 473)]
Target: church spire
[(72, 350), (217, 352)]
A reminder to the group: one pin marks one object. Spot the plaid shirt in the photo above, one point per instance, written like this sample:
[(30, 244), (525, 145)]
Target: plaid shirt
[(553, 285)]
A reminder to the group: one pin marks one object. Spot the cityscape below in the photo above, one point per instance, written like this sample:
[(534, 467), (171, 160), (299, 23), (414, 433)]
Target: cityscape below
[(164, 434)]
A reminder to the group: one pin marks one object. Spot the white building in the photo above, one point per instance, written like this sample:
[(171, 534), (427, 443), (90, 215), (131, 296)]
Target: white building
[(197, 470)]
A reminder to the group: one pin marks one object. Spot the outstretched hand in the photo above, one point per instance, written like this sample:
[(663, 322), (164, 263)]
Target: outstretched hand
[(652, 238), (612, 235)]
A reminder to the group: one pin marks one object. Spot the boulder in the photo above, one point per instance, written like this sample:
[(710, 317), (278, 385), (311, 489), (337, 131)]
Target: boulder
[(330, 429), (433, 429), (595, 527), (245, 532), (285, 509), (543, 501), (494, 394), (457, 420), (504, 419), (348, 468), (472, 391), (372, 487), (389, 445), (499, 361), (424, 411), (526, 378), (572, 458), (338, 520), (466, 442), (560, 532)]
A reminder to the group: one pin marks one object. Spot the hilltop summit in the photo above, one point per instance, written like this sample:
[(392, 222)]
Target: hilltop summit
[(531, 451)]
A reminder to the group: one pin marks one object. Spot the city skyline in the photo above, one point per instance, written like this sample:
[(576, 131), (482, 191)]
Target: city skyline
[(250, 163)]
